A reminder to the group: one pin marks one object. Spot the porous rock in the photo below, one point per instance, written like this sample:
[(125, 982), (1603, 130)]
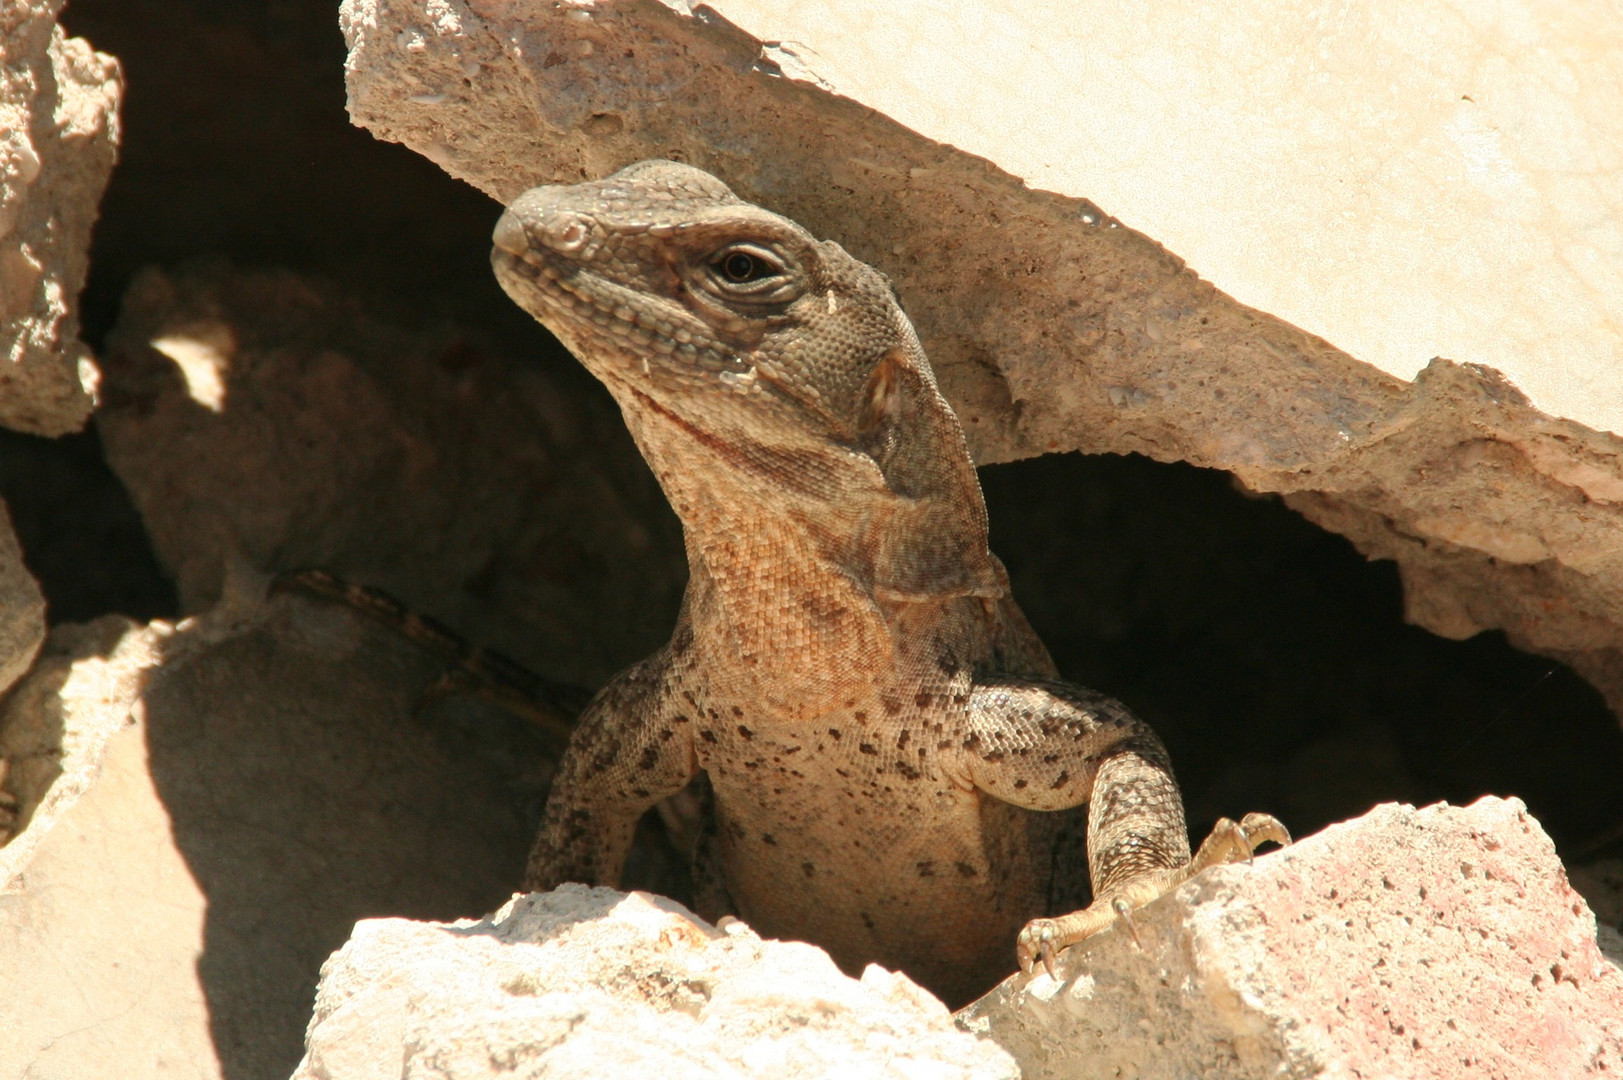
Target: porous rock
[(1052, 325), (208, 808), (1437, 942), (58, 138), (592, 983)]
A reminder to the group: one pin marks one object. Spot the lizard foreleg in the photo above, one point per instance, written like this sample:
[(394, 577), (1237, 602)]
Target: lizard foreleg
[(632, 747), (1044, 744)]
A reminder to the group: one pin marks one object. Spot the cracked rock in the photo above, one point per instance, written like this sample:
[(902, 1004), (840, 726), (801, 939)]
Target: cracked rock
[(595, 984), (209, 807), (58, 137)]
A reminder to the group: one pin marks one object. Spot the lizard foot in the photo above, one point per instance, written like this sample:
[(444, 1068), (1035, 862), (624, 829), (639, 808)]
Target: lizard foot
[(1230, 841)]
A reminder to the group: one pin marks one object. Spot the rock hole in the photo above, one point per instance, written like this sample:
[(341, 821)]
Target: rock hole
[(1274, 661)]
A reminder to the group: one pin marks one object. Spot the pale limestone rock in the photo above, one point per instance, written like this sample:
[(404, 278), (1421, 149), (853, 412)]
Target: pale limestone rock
[(100, 921), (22, 609), (1407, 943), (58, 138), (592, 983), (1053, 326), (55, 726), (209, 809), (1405, 179)]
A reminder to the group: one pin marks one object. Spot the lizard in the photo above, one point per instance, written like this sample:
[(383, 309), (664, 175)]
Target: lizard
[(887, 741)]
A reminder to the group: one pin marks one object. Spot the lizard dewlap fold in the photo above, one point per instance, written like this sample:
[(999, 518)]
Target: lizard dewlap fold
[(895, 764)]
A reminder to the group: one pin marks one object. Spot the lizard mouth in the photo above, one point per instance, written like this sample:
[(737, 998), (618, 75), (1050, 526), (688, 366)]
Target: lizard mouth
[(576, 303)]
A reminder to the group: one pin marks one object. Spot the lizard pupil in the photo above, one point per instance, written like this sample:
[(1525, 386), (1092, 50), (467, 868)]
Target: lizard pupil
[(740, 266)]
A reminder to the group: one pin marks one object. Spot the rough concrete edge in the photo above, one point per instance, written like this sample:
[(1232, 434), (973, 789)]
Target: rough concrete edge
[(52, 176), (1523, 536)]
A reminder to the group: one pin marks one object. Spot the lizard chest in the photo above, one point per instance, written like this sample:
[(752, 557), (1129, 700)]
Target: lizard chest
[(851, 830)]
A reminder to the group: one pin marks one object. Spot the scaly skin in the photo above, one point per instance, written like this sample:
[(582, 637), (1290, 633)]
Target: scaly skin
[(877, 719)]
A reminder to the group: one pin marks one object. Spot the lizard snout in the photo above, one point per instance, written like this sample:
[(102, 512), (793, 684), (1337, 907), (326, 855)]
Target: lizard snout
[(530, 221), (510, 235)]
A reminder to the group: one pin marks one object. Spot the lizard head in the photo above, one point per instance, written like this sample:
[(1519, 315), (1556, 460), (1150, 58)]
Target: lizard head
[(732, 335), (734, 319)]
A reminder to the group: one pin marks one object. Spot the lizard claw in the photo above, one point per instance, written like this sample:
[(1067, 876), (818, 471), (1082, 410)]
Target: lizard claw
[(1124, 912), (1036, 942), (1232, 841), (1260, 828)]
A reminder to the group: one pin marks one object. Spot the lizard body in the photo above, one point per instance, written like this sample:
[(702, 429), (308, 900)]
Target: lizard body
[(877, 720)]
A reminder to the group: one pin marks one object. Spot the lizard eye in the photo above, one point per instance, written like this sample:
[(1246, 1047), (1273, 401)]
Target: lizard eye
[(749, 276), (746, 264), (742, 266)]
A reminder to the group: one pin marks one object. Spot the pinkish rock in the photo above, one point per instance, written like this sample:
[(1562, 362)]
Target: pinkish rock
[(1438, 942)]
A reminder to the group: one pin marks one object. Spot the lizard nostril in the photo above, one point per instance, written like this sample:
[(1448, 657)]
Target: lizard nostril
[(568, 234)]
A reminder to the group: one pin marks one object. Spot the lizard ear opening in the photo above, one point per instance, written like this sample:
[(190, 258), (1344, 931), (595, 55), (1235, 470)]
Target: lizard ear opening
[(879, 410)]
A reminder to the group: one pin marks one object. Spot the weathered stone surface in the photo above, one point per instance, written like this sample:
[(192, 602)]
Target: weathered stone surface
[(100, 920), (1407, 943), (1052, 326), (22, 609), (592, 983), (209, 809), (55, 726), (58, 138), (1369, 174), (260, 417)]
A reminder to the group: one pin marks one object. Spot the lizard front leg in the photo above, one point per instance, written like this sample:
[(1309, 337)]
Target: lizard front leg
[(1044, 744), (632, 747)]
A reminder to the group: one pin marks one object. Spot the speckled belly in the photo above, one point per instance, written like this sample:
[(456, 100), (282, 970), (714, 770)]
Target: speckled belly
[(875, 855)]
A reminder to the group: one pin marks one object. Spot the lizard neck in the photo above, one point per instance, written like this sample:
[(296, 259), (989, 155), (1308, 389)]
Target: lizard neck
[(807, 592), (822, 514)]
